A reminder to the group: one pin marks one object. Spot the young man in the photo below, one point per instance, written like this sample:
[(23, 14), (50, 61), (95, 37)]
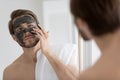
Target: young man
[(98, 20), (25, 30)]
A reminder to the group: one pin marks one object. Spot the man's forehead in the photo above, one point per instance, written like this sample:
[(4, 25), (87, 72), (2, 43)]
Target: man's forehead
[(27, 24), (23, 19)]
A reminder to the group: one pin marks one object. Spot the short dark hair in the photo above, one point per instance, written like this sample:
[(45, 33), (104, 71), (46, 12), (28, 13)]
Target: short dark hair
[(18, 13), (102, 16)]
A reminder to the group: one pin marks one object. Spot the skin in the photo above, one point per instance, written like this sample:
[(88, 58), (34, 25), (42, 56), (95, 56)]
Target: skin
[(23, 68), (106, 68)]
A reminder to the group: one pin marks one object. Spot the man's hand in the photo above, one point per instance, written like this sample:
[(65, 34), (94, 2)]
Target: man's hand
[(43, 36), (62, 71)]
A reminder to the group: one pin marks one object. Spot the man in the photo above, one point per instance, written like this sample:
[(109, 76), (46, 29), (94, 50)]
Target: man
[(98, 20), (25, 30)]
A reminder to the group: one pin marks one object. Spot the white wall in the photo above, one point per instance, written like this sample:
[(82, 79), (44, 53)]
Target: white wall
[(10, 50), (90, 53), (55, 18)]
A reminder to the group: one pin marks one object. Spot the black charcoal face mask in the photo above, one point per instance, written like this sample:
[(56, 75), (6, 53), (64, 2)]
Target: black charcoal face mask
[(21, 20), (19, 34)]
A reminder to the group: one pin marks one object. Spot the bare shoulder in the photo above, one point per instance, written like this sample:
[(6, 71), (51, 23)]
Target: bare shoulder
[(9, 71), (7, 74)]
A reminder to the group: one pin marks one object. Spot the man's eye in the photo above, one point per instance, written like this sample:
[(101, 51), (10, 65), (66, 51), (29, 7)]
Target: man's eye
[(32, 26), (18, 29)]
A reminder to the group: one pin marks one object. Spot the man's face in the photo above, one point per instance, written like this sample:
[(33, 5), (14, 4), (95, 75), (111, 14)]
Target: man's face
[(23, 27)]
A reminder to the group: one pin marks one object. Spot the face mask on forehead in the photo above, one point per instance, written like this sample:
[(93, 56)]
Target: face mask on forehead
[(21, 20)]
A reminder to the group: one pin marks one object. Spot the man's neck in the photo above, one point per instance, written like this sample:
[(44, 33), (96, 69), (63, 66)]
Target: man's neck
[(109, 44), (30, 54)]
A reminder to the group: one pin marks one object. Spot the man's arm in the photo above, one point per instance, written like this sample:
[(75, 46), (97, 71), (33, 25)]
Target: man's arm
[(62, 71), (73, 65)]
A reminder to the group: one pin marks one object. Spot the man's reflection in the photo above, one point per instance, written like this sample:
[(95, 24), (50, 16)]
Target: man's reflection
[(32, 64)]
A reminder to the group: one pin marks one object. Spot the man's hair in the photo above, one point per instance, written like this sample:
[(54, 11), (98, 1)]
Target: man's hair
[(18, 13), (102, 16)]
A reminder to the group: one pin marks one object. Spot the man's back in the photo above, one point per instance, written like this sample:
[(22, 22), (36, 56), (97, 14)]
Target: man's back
[(104, 69)]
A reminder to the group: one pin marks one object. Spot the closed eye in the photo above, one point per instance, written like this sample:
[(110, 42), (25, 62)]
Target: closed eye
[(18, 29), (31, 26)]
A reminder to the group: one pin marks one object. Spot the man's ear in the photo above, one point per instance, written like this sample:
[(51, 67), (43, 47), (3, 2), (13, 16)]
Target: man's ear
[(14, 37), (80, 23), (83, 26)]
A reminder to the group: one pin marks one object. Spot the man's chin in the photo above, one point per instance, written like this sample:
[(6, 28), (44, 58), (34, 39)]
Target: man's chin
[(29, 46)]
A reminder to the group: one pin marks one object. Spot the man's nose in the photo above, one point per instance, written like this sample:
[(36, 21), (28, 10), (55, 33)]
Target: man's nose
[(27, 30)]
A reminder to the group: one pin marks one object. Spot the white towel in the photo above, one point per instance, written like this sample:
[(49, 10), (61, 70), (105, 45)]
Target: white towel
[(44, 70)]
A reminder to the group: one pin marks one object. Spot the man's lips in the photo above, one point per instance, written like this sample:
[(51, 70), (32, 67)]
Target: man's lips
[(28, 37)]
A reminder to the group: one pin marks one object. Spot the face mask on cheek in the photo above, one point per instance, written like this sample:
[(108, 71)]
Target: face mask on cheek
[(21, 33)]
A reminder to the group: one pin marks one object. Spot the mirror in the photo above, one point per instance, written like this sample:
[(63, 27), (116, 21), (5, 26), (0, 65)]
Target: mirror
[(53, 15)]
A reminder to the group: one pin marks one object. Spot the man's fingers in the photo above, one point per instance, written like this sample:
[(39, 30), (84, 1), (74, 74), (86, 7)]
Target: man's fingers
[(43, 30), (39, 33), (39, 26)]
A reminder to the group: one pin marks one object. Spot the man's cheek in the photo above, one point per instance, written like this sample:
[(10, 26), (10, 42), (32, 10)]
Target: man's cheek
[(20, 37)]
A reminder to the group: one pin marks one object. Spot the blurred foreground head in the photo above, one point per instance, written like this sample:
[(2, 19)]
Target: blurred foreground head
[(101, 16)]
